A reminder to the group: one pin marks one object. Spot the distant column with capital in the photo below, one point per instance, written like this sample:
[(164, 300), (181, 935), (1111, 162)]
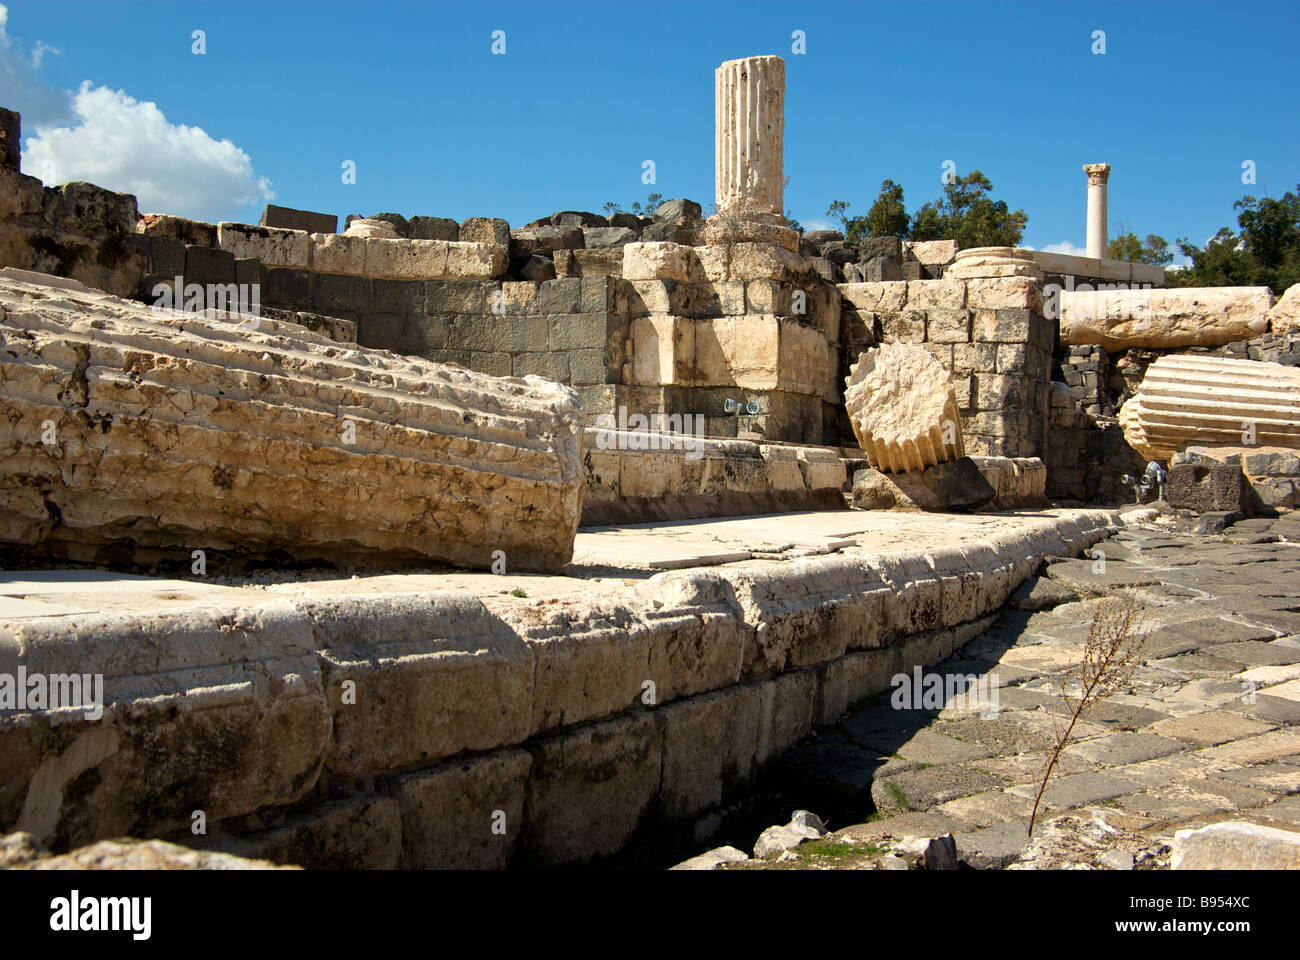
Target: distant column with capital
[(1098, 174)]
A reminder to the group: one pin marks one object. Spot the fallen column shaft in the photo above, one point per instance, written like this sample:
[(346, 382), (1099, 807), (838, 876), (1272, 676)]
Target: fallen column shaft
[(164, 430), (1212, 400)]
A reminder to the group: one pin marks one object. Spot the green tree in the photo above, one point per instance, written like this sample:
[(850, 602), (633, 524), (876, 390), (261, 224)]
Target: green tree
[(887, 216), (966, 213), (1266, 252), (652, 203), (1126, 246)]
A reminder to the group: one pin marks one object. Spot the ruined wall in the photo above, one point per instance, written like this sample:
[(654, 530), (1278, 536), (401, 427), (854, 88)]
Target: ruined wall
[(989, 333), (77, 230), (1109, 341)]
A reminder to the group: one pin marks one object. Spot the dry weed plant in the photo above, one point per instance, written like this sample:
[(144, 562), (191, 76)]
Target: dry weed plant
[(1112, 652)]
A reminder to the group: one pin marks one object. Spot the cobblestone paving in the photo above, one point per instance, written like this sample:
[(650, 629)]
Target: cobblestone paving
[(1208, 730)]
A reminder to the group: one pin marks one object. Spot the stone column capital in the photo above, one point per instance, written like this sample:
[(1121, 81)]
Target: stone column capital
[(1098, 173)]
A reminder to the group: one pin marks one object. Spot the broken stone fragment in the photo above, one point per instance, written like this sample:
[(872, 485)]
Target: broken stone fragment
[(903, 409), (1236, 846), (954, 487)]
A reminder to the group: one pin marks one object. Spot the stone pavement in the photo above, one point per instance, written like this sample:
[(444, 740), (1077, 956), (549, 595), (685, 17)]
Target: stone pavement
[(1208, 729)]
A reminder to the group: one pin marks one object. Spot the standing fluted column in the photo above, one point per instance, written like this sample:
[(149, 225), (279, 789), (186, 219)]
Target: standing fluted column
[(750, 128), (1098, 174)]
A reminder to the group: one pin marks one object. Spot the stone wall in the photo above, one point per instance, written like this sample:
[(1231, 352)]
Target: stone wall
[(348, 724), (78, 230), (639, 477), (989, 333)]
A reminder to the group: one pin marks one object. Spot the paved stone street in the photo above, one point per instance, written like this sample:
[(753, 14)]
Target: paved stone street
[(1208, 729)]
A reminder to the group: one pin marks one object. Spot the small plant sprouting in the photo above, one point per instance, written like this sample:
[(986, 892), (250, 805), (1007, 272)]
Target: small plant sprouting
[(1113, 650), (518, 592)]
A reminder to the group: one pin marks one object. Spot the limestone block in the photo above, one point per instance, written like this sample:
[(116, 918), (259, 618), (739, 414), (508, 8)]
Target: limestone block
[(192, 232), (697, 634), (360, 833), (1285, 314), (271, 245), (663, 350), (180, 690), (590, 658), (228, 437), (1177, 317), (457, 675), (954, 486), (888, 296), (20, 195), (399, 259), (1004, 292), (766, 261), (1185, 399), (787, 713), (613, 767), (485, 230), (738, 351), (338, 253), (803, 362), (476, 261), (932, 252), (656, 261), (709, 746), (942, 294), (1236, 846), (902, 409), (449, 812)]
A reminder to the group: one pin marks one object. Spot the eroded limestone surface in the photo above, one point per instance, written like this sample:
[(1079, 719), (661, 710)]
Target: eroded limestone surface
[(902, 408), (158, 430), (1180, 317)]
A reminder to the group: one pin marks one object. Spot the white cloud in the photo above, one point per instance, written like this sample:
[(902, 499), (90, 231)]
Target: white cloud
[(1065, 246), (108, 138), (129, 146), (819, 224)]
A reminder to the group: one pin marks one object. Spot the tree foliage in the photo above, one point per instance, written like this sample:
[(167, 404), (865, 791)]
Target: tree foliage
[(1126, 246), (1265, 251), (965, 213)]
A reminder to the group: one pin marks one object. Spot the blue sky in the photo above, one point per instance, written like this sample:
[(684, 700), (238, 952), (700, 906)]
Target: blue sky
[(437, 125)]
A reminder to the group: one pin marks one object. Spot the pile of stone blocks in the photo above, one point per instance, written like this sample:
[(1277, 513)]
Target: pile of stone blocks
[(742, 322)]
